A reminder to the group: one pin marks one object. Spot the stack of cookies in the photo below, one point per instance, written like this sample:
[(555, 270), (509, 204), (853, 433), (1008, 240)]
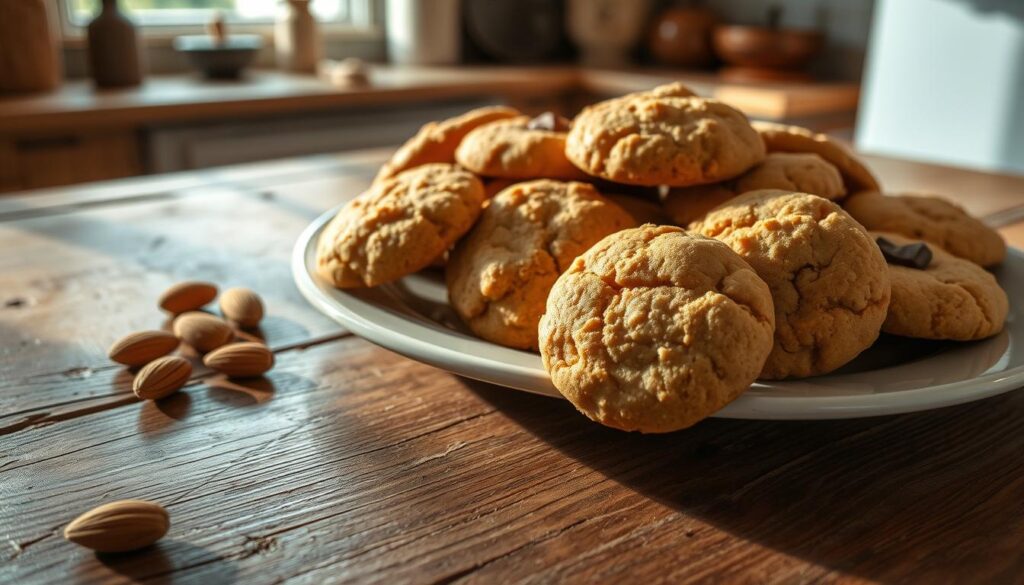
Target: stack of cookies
[(661, 252)]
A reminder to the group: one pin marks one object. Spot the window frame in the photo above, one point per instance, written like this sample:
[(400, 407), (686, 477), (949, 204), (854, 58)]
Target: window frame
[(363, 23)]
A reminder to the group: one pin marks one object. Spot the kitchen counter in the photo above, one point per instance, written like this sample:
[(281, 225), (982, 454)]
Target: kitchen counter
[(351, 463), (78, 134), (186, 97)]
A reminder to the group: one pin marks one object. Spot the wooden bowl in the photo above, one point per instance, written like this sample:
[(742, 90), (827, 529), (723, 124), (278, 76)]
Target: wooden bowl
[(767, 48), (681, 37)]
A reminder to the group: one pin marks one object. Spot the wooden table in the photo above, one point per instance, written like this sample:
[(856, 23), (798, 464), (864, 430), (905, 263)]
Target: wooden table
[(349, 463)]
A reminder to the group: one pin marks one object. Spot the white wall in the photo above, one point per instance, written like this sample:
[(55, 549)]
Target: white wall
[(945, 82)]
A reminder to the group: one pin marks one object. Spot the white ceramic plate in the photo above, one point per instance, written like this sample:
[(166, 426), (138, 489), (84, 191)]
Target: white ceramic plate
[(412, 317)]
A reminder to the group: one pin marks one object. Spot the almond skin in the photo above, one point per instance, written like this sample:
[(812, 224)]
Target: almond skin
[(142, 347), (187, 296), (119, 526), (241, 360), (242, 306), (202, 331), (161, 377)]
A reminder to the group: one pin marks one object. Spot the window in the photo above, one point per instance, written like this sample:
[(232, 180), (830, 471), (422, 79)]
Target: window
[(192, 13)]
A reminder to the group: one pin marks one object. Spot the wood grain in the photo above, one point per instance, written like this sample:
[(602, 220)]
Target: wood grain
[(351, 465), (348, 463), (81, 280)]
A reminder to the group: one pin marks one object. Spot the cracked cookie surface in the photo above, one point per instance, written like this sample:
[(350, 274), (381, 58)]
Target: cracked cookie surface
[(509, 149), (784, 138), (499, 276), (662, 138), (931, 219), (951, 298), (400, 225), (829, 281), (799, 172), (436, 142), (654, 329)]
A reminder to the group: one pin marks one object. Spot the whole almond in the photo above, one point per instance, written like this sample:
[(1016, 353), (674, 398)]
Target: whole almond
[(242, 306), (119, 526), (161, 377), (142, 347), (241, 360), (187, 296), (202, 331)]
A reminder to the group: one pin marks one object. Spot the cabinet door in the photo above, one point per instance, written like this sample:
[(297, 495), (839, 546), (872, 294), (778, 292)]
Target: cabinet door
[(62, 160)]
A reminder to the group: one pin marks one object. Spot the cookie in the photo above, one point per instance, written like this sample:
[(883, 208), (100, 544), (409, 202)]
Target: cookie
[(436, 141), (656, 139), (499, 276), (783, 138), (654, 329), (951, 298), (399, 226), (829, 281), (518, 148), (931, 219), (494, 186), (799, 172), (642, 210)]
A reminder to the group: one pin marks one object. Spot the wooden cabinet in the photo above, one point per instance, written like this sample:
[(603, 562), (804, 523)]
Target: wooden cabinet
[(32, 162)]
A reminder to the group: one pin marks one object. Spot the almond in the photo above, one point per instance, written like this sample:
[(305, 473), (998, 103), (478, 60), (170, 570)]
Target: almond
[(202, 331), (241, 360), (142, 347), (161, 377), (242, 306), (187, 296), (119, 526)]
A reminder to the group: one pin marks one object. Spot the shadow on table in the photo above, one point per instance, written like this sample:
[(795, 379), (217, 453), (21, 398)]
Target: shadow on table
[(159, 563), (919, 494)]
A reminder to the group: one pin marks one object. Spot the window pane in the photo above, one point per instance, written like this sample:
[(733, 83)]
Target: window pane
[(169, 12)]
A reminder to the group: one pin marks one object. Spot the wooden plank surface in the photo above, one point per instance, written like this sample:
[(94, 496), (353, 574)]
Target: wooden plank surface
[(348, 463)]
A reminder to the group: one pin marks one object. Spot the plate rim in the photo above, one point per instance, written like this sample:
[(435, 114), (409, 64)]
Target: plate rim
[(750, 407)]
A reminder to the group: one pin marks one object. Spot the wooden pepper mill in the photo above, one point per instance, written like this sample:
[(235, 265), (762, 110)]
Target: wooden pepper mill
[(113, 49)]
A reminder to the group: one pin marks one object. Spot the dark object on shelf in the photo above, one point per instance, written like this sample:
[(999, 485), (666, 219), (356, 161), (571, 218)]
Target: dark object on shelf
[(917, 255), (515, 30), (29, 59), (767, 53), (681, 36), (114, 59), (223, 58)]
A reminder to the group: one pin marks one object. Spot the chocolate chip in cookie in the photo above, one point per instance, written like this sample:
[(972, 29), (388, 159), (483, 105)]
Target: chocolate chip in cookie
[(917, 255)]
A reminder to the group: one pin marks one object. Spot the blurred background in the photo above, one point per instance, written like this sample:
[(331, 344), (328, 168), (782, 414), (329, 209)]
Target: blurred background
[(99, 89)]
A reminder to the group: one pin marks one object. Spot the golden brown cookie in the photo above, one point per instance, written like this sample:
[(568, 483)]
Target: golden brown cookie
[(799, 172), (643, 210), (436, 141), (931, 219), (654, 329), (828, 279), (399, 226), (500, 274), (674, 89), (494, 186), (783, 138), (512, 149), (951, 298), (656, 139)]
